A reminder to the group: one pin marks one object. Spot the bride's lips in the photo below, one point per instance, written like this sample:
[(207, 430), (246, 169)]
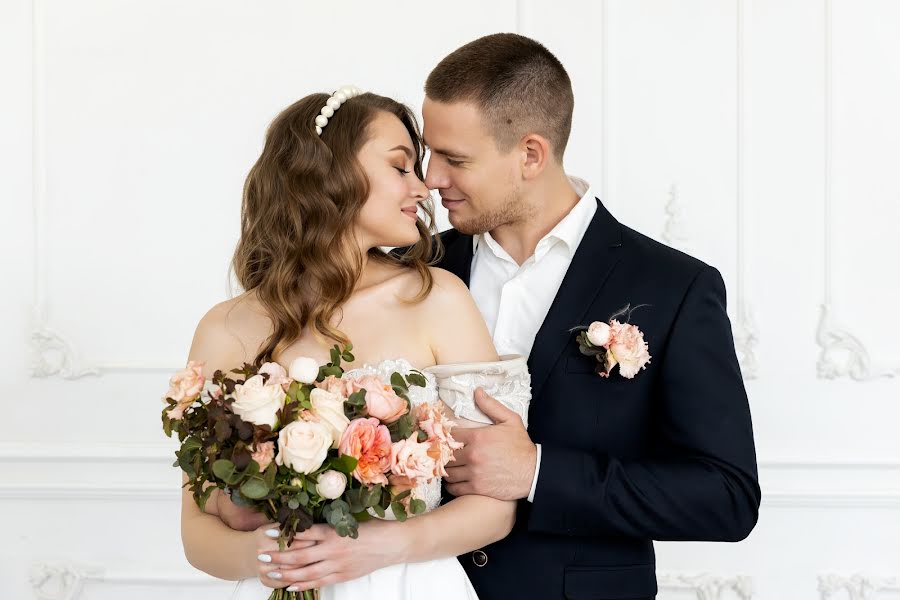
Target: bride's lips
[(451, 203), (411, 211)]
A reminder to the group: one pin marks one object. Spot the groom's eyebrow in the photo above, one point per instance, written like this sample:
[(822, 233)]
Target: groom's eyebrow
[(446, 152)]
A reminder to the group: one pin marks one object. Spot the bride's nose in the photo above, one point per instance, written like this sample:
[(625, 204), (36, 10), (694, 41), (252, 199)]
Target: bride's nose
[(418, 189)]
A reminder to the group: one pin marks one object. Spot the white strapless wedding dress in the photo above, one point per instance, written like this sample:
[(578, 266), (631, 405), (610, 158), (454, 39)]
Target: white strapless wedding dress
[(507, 380)]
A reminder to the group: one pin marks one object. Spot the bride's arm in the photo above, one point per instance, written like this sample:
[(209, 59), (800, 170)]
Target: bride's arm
[(458, 334), (209, 544)]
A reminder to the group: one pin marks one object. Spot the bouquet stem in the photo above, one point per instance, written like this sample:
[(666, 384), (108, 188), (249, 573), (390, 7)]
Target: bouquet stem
[(282, 594)]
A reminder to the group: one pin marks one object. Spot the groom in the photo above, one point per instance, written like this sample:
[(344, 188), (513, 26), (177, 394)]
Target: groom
[(608, 464)]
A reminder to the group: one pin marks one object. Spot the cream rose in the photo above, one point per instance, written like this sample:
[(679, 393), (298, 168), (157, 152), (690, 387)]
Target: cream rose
[(304, 370), (256, 402), (331, 484), (628, 349), (598, 333), (303, 446), (330, 410)]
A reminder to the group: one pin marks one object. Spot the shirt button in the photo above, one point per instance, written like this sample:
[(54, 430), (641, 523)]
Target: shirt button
[(480, 558)]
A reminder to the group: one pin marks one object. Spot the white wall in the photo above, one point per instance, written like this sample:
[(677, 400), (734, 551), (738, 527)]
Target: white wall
[(759, 135)]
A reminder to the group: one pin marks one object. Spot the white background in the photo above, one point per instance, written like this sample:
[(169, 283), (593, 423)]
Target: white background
[(760, 135)]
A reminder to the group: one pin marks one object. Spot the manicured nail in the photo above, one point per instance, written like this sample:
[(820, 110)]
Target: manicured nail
[(274, 575), (264, 558), (272, 533), (293, 588)]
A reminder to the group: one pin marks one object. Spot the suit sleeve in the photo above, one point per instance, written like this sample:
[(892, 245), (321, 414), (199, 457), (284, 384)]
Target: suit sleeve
[(704, 486)]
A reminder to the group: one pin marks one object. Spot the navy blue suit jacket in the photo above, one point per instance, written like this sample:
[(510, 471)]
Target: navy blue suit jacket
[(668, 455)]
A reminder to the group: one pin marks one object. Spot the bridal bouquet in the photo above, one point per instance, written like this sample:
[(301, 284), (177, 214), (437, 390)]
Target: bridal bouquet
[(307, 445)]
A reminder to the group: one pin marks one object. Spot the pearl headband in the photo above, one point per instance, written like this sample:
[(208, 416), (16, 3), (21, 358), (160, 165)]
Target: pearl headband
[(334, 103)]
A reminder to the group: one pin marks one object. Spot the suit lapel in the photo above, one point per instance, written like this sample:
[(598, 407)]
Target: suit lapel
[(598, 253), (458, 257)]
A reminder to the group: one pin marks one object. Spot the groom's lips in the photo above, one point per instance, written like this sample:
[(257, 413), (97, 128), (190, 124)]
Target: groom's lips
[(451, 203)]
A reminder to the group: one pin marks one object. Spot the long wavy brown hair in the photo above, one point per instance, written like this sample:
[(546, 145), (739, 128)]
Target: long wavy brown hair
[(300, 202)]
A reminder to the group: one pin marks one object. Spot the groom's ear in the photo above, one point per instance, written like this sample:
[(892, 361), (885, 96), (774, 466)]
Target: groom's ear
[(536, 154)]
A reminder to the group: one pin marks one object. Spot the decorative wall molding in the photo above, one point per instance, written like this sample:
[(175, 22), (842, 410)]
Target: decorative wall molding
[(52, 353), (87, 452), (745, 336), (856, 587), (708, 587), (69, 492), (842, 354), (674, 229), (66, 581)]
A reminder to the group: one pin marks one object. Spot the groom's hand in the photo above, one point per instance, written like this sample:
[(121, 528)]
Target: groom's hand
[(498, 460)]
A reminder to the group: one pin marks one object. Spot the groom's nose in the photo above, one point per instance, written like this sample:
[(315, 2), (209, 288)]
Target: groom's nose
[(436, 176)]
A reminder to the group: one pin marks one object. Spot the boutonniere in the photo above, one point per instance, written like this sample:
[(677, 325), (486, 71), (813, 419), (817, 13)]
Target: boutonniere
[(615, 343)]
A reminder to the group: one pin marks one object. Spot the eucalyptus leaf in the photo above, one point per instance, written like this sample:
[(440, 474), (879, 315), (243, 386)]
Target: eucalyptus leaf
[(255, 489), (417, 506), (399, 511), (223, 469)]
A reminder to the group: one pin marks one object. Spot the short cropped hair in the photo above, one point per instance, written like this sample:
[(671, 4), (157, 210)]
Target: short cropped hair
[(517, 83)]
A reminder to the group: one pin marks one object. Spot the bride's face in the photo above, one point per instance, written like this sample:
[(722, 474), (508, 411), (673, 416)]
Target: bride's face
[(388, 218)]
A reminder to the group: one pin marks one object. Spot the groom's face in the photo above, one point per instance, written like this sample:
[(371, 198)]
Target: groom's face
[(479, 185)]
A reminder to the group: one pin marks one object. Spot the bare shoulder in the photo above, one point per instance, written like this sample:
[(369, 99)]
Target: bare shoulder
[(229, 333), (454, 324), (447, 287)]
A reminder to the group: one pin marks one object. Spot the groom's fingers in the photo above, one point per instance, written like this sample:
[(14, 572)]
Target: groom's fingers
[(493, 408), (461, 489), (457, 474)]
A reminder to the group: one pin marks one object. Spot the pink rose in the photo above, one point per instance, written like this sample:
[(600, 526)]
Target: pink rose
[(437, 426), (381, 400), (333, 385), (627, 349), (185, 387), (369, 442), (263, 455), (599, 333), (410, 459), (277, 374)]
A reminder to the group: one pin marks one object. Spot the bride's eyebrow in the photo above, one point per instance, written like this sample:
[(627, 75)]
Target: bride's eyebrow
[(406, 150)]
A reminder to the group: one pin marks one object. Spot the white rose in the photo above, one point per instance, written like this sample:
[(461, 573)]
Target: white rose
[(304, 370), (330, 410), (257, 403), (598, 333), (303, 446), (331, 484)]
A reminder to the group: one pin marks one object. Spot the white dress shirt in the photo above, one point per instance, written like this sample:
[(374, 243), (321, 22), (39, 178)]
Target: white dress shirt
[(513, 299)]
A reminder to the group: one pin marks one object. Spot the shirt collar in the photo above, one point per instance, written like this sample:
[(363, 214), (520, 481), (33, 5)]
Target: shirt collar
[(569, 230)]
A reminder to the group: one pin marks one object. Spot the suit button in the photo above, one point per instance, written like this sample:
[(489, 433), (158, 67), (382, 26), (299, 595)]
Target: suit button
[(479, 557)]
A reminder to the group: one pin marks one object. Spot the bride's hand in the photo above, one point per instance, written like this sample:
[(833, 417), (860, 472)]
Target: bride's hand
[(269, 562), (332, 559), (237, 517)]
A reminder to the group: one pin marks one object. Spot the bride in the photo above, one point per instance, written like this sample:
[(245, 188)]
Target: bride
[(339, 178)]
